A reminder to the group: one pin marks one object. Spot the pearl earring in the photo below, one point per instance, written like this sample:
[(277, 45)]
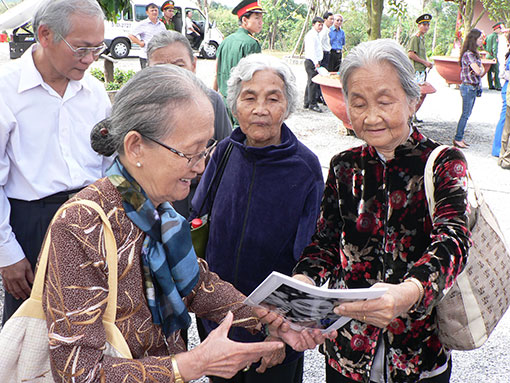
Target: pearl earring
[(138, 164)]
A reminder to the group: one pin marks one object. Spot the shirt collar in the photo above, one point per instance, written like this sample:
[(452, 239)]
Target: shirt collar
[(31, 78)]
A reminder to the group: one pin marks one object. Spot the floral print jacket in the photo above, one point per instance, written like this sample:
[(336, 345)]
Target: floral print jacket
[(374, 227)]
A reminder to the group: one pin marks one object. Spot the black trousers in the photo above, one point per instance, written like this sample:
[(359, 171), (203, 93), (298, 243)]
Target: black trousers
[(332, 376), (335, 59), (143, 62), (325, 59), (29, 221), (283, 373), (312, 91)]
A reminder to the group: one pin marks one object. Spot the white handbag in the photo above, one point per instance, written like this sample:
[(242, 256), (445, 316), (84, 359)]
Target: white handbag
[(24, 341), (480, 296)]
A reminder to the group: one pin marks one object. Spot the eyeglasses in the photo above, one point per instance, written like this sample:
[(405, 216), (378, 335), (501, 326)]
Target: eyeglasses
[(82, 52), (192, 160)]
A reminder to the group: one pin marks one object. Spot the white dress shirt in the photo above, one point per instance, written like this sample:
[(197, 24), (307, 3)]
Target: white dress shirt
[(324, 36), (313, 47), (145, 30), (44, 140)]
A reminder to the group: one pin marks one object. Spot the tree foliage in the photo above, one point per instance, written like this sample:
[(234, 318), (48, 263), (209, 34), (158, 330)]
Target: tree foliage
[(498, 9), (112, 8)]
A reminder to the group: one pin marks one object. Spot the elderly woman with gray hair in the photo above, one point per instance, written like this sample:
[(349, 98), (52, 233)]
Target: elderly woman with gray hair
[(160, 137), (267, 201), (375, 229)]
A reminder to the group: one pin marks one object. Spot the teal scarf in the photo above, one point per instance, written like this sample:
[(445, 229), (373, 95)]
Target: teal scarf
[(169, 260)]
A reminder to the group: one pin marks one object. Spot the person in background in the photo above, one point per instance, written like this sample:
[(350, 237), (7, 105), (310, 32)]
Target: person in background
[(168, 15), (337, 38), (159, 278), (313, 57), (239, 44), (192, 32), (325, 40), (171, 47), (267, 201), (504, 74), (504, 156), (471, 74), (417, 52), (375, 229), (144, 30), (49, 105), (491, 47)]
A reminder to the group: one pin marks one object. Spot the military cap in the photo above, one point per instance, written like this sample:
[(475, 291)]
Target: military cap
[(425, 18), (150, 5), (498, 25), (246, 6), (167, 4)]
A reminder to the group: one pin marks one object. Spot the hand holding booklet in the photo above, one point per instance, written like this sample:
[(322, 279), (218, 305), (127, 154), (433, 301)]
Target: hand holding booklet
[(304, 305)]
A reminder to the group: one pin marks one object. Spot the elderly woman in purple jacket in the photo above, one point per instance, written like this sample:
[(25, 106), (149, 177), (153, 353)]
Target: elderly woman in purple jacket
[(267, 202)]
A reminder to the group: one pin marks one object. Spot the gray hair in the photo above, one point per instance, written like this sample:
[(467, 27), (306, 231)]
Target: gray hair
[(375, 52), (245, 70), (139, 106), (56, 15), (166, 38)]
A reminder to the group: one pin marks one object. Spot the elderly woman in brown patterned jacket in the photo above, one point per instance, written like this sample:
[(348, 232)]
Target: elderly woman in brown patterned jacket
[(160, 115)]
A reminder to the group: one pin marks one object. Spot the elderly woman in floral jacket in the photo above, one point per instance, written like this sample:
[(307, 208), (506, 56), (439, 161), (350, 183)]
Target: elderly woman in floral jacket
[(375, 229)]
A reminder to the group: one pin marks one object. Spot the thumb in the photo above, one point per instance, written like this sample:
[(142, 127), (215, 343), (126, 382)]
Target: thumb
[(29, 275), (224, 327)]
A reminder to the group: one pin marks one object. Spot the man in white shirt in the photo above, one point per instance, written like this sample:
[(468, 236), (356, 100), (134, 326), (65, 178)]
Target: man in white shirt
[(313, 57), (192, 32), (324, 36), (48, 108), (146, 29)]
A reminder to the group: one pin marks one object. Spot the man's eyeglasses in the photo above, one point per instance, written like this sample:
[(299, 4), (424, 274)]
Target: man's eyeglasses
[(82, 52), (192, 160)]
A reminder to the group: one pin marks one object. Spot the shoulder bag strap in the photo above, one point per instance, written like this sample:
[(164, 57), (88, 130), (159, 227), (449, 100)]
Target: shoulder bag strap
[(428, 178), (216, 179)]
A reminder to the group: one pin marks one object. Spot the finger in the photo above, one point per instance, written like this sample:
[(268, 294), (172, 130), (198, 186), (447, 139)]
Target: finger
[(263, 365), (224, 326), (30, 275), (24, 289)]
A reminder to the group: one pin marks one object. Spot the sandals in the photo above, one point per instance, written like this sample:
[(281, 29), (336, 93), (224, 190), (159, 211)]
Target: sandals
[(460, 144)]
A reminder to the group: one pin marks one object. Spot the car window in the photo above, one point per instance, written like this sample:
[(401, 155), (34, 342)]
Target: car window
[(140, 13), (197, 15)]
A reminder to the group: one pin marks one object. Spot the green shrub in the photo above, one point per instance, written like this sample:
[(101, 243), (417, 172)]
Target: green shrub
[(120, 77), (97, 73)]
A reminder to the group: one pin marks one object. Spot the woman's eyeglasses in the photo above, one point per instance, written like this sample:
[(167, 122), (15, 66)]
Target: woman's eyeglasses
[(192, 160), (82, 52)]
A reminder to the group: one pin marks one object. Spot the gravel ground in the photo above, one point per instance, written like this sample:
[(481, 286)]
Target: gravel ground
[(325, 135)]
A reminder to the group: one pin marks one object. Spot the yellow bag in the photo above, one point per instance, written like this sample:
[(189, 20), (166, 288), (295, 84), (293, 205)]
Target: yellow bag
[(24, 341)]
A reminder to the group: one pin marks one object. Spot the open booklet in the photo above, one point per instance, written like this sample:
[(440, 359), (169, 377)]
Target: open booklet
[(304, 305)]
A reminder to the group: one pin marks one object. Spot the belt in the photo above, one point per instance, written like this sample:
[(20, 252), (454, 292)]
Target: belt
[(336, 50), (57, 198), (466, 83)]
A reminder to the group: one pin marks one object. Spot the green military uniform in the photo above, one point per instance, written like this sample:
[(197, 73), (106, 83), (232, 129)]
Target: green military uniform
[(417, 45), (492, 49), (169, 25), (236, 46)]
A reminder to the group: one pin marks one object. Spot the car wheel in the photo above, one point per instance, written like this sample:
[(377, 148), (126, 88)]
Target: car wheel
[(209, 51), (119, 49)]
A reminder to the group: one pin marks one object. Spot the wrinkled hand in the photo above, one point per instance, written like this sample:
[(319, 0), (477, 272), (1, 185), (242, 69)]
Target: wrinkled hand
[(220, 356), (17, 279), (381, 311), (429, 65), (305, 339), (273, 359)]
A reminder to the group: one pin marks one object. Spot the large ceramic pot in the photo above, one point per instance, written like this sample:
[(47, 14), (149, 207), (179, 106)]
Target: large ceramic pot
[(449, 69), (332, 92)]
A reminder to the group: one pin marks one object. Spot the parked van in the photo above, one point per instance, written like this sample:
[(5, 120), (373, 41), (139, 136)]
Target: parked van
[(119, 45)]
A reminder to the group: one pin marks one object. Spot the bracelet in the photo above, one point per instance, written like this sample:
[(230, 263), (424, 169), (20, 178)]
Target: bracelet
[(418, 284), (177, 375)]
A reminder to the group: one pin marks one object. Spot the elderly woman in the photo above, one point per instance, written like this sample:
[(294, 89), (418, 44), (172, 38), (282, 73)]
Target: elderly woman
[(375, 230), (160, 137), (268, 199)]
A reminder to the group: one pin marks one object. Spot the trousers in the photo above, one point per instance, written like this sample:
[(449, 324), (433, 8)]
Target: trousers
[(312, 91)]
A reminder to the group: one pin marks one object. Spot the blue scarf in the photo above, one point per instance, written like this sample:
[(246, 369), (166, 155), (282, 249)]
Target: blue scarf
[(169, 261)]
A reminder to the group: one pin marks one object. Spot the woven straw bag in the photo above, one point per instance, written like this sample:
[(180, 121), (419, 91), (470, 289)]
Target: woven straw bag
[(24, 341), (480, 296)]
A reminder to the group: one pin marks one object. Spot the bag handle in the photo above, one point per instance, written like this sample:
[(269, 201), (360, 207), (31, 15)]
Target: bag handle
[(111, 259), (428, 178)]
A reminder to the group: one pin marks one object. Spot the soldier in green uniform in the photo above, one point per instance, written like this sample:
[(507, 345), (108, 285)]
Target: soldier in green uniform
[(239, 44), (492, 53), (168, 15), (418, 53)]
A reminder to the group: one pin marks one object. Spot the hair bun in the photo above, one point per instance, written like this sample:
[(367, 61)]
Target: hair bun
[(101, 140)]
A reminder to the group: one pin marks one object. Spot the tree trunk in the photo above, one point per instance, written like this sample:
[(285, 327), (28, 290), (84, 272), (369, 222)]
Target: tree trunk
[(374, 10), (305, 24)]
